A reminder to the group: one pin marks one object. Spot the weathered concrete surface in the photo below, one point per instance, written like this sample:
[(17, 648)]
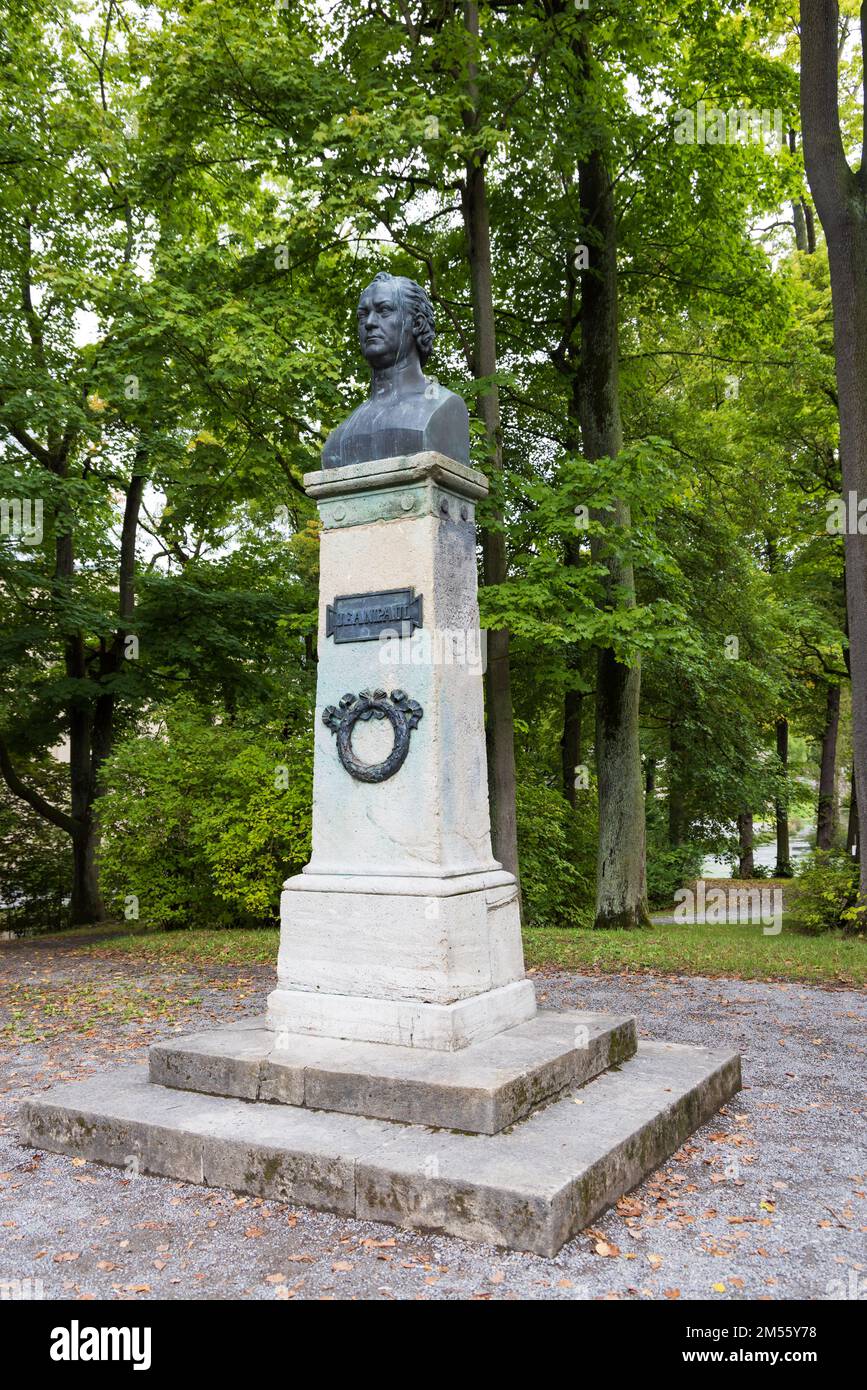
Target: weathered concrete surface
[(403, 928), (530, 1187), (402, 1022), (480, 1089), (412, 961), (404, 937), (430, 819)]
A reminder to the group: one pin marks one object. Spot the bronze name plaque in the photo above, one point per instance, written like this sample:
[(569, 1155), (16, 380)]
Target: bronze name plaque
[(366, 617)]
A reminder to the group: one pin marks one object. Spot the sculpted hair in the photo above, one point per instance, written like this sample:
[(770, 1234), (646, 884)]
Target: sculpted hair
[(418, 309)]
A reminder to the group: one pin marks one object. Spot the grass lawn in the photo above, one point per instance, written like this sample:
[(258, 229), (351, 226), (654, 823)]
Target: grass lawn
[(241, 947), (740, 951)]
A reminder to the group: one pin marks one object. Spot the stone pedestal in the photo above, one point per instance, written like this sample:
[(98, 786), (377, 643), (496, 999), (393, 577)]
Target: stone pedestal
[(402, 1073), (305, 1129), (403, 928)]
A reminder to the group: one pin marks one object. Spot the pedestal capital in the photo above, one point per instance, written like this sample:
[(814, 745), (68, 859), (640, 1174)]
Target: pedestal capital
[(412, 484)]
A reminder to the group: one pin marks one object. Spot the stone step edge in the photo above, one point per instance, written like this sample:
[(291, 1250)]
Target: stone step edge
[(186, 1064), (373, 1172)]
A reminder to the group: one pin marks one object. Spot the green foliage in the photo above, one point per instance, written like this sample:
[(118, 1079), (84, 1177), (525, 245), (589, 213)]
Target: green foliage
[(35, 871), (827, 893), (192, 197), (557, 853), (669, 869), (203, 821)]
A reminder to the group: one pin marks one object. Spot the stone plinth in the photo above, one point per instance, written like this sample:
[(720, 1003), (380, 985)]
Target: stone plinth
[(531, 1186), (479, 1090), (403, 929)]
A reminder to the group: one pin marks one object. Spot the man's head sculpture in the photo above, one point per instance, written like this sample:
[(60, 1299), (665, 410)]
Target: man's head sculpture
[(406, 412), (395, 319)]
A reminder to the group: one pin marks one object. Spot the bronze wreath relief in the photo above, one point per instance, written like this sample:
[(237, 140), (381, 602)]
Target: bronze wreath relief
[(402, 713)]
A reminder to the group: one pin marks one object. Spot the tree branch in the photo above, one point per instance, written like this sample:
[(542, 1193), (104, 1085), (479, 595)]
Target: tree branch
[(824, 155), (32, 797), (36, 450)]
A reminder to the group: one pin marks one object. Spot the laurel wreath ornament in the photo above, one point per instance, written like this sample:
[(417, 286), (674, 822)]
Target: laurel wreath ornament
[(402, 713)]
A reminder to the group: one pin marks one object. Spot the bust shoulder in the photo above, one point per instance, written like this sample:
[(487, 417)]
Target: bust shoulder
[(407, 423), (448, 424)]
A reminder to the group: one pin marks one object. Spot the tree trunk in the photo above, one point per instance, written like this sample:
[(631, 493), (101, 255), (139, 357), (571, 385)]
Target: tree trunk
[(675, 791), (802, 213), (746, 864), (852, 846), (840, 196), (810, 225), (91, 732), (826, 812), (621, 890), (498, 688), (783, 867), (675, 816), (570, 743), (86, 905), (650, 777)]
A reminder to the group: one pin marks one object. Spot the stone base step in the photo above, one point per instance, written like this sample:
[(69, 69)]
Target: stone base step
[(479, 1090), (529, 1187)]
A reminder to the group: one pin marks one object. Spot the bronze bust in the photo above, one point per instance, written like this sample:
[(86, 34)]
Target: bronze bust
[(406, 411)]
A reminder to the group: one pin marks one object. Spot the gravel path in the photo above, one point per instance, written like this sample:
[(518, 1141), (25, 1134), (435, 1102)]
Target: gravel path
[(766, 1202)]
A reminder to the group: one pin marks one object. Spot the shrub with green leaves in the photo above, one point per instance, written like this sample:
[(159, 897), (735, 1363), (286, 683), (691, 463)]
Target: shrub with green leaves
[(35, 860), (203, 821), (557, 854), (669, 869), (827, 893)]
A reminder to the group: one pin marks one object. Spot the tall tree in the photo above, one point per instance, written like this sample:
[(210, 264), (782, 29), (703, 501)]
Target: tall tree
[(150, 381), (826, 811), (70, 237), (474, 205), (621, 887), (840, 196)]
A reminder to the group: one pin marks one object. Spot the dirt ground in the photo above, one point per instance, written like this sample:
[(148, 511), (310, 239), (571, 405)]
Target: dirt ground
[(765, 1202)]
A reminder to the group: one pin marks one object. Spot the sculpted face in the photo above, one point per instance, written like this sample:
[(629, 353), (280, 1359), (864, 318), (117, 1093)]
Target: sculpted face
[(402, 415), (385, 336)]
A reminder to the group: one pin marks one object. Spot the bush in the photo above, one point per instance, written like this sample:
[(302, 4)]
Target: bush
[(199, 832), (557, 854), (202, 822), (35, 856), (669, 869), (827, 892)]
